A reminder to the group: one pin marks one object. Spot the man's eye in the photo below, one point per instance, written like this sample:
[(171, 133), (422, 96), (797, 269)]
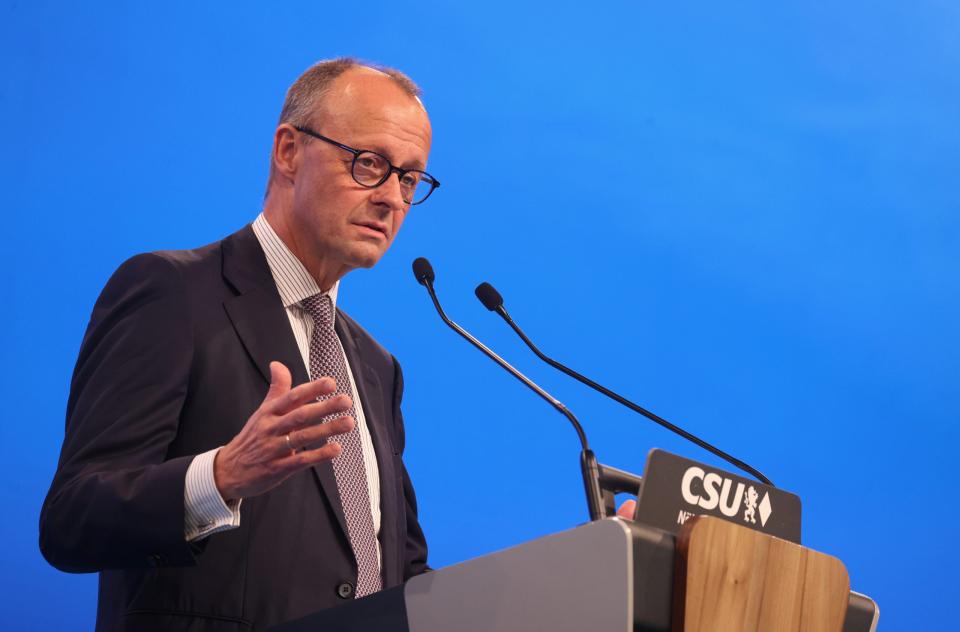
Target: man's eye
[(410, 179)]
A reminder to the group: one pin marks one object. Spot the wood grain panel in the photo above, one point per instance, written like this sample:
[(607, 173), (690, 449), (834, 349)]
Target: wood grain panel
[(733, 579)]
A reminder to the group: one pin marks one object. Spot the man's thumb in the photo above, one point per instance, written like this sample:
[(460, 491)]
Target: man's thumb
[(279, 380), (627, 509)]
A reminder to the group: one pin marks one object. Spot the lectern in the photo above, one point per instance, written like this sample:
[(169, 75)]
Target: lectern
[(712, 573)]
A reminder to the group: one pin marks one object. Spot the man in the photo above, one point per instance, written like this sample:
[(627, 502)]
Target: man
[(232, 456)]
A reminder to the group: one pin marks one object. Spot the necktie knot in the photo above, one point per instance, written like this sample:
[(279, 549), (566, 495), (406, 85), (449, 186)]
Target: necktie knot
[(320, 308)]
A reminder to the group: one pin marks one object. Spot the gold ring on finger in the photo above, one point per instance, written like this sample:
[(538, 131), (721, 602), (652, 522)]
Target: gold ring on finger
[(290, 444)]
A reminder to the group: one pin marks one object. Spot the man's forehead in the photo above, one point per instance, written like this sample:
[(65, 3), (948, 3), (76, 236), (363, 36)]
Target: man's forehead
[(363, 85), (370, 101)]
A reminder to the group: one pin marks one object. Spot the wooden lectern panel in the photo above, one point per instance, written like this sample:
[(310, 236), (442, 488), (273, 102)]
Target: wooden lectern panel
[(730, 578)]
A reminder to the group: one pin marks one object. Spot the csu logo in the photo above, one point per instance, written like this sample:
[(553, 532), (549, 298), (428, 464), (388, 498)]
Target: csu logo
[(711, 491)]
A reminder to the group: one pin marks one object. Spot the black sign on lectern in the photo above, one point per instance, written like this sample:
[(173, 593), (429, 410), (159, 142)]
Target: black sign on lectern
[(675, 489)]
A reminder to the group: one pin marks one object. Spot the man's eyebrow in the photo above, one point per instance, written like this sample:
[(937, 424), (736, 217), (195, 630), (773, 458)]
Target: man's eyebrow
[(380, 149)]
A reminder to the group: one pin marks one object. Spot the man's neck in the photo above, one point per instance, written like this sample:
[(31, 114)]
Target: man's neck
[(323, 271)]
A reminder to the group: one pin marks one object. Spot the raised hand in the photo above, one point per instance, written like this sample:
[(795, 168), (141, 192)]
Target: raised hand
[(284, 435)]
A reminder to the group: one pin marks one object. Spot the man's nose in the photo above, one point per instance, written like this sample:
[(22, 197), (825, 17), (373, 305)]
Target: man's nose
[(390, 193)]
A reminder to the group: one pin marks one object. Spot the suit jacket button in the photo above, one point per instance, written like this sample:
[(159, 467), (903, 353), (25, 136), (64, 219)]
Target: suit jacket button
[(345, 590)]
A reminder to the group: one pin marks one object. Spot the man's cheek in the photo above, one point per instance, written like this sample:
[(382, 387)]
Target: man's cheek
[(397, 223)]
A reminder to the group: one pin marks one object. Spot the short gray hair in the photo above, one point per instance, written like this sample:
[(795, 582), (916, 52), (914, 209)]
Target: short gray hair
[(305, 96)]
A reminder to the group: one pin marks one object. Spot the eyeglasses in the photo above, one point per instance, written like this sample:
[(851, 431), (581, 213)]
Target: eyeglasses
[(371, 169)]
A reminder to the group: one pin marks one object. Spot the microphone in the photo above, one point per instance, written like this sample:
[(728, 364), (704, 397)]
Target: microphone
[(492, 300), (424, 272), (589, 468)]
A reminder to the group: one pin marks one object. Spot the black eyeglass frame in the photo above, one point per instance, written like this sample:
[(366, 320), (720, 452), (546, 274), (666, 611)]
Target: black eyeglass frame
[(424, 176)]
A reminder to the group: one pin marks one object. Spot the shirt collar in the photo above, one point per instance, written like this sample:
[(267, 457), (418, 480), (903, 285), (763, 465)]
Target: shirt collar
[(294, 282)]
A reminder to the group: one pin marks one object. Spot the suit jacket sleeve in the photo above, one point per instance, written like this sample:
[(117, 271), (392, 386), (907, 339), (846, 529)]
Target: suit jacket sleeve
[(116, 501), (415, 548)]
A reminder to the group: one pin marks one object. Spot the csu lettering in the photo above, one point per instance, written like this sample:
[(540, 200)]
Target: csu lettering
[(714, 491)]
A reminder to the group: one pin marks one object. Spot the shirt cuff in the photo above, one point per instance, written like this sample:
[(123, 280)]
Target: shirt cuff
[(205, 511)]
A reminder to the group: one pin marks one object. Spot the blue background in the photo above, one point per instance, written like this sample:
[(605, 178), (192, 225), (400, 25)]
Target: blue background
[(742, 215)]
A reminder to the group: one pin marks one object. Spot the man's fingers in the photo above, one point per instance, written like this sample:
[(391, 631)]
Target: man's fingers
[(306, 458), (627, 509), (312, 436), (300, 395), (311, 414)]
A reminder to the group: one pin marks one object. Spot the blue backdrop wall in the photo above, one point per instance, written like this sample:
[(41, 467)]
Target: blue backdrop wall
[(742, 215)]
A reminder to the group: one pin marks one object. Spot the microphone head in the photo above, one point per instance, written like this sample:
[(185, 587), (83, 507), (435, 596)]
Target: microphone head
[(489, 296), (423, 271)]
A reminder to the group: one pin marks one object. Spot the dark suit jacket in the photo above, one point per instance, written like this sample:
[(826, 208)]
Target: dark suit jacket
[(173, 363)]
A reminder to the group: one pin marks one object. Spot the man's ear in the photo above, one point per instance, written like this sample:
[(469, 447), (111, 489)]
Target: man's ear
[(285, 156)]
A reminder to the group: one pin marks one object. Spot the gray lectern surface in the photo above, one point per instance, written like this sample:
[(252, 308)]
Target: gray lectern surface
[(575, 580)]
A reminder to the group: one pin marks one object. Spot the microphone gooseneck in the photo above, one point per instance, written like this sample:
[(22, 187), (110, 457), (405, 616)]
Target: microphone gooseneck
[(493, 301), (425, 276)]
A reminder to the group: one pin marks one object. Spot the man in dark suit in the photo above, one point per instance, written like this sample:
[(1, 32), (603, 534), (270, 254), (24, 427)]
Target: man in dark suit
[(233, 447)]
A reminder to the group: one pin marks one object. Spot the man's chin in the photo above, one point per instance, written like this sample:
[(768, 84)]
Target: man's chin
[(367, 258)]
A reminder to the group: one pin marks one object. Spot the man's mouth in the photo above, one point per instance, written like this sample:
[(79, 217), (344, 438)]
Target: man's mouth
[(378, 227)]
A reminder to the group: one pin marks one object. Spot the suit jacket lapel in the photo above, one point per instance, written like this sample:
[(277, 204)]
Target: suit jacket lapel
[(369, 389), (261, 322)]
